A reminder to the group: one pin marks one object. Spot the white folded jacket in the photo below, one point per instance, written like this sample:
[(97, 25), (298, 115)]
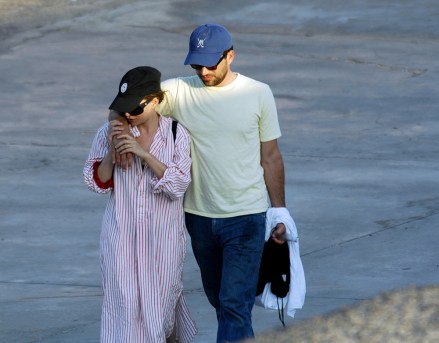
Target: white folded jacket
[(296, 295)]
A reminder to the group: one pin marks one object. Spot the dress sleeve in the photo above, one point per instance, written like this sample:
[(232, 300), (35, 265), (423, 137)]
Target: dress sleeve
[(98, 151), (177, 176)]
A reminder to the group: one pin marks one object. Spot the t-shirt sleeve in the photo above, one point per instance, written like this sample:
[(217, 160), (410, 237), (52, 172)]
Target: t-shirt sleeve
[(269, 128)]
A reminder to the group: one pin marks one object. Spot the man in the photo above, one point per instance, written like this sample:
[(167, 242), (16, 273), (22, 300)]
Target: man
[(237, 173)]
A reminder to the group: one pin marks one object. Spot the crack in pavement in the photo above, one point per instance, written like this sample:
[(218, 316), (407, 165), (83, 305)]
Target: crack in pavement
[(430, 214)]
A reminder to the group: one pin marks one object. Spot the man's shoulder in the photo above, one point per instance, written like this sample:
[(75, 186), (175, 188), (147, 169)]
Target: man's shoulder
[(180, 81), (250, 81)]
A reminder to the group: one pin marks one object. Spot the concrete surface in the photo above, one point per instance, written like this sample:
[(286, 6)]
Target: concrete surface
[(356, 84)]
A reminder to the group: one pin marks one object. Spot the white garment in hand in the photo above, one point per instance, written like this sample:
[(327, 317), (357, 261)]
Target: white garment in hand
[(296, 295)]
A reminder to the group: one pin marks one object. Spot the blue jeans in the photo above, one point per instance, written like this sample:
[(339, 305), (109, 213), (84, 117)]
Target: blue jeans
[(228, 252)]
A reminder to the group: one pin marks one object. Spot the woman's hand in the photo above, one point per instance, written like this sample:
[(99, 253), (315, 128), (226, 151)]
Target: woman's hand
[(116, 129), (128, 144)]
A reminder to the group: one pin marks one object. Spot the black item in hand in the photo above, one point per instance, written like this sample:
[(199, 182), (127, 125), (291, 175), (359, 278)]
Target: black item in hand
[(275, 268)]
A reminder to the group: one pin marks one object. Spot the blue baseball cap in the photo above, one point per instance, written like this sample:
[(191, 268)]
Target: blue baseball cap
[(207, 44)]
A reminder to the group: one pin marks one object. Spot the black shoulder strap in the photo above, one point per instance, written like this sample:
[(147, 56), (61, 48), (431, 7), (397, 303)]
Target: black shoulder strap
[(174, 128)]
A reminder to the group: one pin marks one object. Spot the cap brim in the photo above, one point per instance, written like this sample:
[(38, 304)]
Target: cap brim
[(125, 103), (204, 59)]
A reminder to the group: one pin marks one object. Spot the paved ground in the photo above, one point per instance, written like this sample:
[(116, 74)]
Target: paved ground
[(356, 85)]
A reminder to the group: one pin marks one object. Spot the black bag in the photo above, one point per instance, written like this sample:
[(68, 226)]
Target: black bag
[(174, 128), (275, 268)]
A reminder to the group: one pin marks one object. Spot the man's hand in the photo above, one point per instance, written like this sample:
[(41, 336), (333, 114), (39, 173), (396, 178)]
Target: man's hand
[(278, 234)]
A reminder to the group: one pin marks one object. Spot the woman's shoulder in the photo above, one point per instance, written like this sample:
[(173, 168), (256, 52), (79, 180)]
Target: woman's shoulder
[(169, 123)]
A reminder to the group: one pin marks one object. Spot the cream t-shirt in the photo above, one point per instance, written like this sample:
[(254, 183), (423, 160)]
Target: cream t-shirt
[(227, 125)]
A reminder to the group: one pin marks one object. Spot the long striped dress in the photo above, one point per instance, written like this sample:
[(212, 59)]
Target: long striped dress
[(143, 242)]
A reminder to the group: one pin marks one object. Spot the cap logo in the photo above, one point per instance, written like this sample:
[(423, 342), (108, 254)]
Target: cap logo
[(124, 87), (200, 43)]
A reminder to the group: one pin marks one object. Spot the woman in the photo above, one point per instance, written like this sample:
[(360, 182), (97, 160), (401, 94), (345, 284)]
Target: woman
[(143, 240)]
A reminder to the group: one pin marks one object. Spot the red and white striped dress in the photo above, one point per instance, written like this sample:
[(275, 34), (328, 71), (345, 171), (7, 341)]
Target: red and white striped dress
[(143, 242)]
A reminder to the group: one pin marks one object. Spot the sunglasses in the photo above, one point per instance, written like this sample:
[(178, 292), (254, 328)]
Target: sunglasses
[(139, 109), (199, 67)]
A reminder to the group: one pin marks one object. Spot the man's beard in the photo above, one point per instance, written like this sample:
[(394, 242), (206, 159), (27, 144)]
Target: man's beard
[(214, 81)]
